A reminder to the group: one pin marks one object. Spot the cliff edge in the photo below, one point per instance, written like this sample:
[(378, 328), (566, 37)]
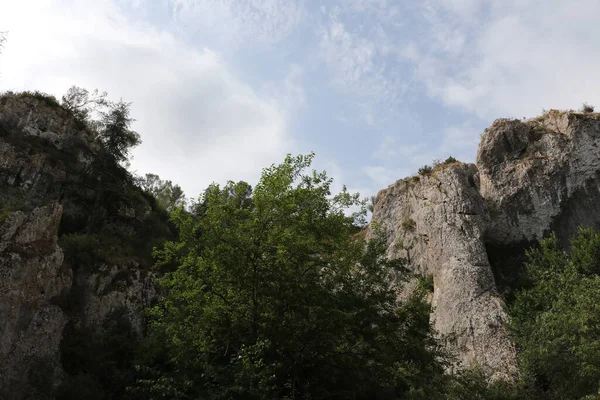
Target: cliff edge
[(467, 225)]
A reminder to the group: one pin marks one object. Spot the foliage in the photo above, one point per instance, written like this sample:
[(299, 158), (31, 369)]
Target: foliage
[(556, 322), (409, 225), (450, 160), (115, 131), (426, 283), (81, 250), (371, 204), (475, 384), (98, 362), (81, 103), (425, 170), (587, 108), (49, 99), (272, 298), (169, 196)]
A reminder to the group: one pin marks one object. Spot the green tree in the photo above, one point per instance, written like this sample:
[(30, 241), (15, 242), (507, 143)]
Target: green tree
[(168, 195), (82, 103), (115, 133), (114, 141), (274, 298), (556, 322)]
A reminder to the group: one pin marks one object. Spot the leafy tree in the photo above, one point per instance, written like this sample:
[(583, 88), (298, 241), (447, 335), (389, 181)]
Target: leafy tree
[(82, 103), (169, 196), (273, 298), (114, 139), (556, 322), (115, 133)]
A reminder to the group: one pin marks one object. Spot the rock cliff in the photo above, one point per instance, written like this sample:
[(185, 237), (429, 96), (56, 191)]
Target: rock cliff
[(31, 279), (56, 301), (467, 225)]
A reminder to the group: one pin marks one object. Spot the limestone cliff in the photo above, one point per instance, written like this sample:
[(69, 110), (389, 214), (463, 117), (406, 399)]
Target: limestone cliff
[(462, 223), (438, 222), (54, 301)]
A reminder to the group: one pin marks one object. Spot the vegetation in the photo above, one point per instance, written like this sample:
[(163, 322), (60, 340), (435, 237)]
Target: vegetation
[(556, 319), (450, 160), (437, 164), (371, 204), (2, 40), (272, 298), (409, 225), (82, 104), (425, 170), (586, 108), (169, 196)]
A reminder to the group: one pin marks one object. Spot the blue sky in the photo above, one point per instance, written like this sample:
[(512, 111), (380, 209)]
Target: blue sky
[(377, 88)]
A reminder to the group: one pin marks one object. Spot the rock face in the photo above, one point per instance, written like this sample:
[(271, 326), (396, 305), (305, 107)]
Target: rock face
[(439, 223), (116, 288), (44, 302), (31, 279), (541, 175), (463, 221)]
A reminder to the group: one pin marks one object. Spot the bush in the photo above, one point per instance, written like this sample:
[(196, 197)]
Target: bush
[(409, 225), (80, 250), (41, 96), (425, 170), (450, 160), (587, 108)]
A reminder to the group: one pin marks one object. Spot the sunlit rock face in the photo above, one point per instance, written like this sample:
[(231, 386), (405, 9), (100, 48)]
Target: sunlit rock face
[(467, 225)]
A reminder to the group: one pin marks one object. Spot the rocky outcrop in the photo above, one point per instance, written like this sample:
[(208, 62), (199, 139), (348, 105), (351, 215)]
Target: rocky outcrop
[(541, 175), (48, 145), (31, 280), (461, 222), (124, 289), (48, 306), (438, 222)]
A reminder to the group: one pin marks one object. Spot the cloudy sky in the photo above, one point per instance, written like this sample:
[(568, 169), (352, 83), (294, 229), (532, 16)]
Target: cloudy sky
[(376, 88)]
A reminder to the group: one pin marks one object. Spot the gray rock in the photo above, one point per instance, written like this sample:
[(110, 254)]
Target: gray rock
[(531, 178), (438, 223), (31, 278)]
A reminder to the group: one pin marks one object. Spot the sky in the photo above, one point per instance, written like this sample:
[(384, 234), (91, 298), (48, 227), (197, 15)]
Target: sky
[(376, 88)]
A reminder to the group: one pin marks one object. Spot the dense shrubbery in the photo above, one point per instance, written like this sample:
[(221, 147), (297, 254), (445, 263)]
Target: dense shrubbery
[(556, 321)]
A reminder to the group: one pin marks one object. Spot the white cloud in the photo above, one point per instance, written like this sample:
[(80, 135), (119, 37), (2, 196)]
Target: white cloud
[(517, 57), (233, 23), (356, 59), (199, 123)]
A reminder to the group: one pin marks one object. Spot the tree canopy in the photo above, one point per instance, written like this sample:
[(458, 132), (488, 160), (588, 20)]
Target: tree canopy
[(168, 195), (556, 321), (273, 297)]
